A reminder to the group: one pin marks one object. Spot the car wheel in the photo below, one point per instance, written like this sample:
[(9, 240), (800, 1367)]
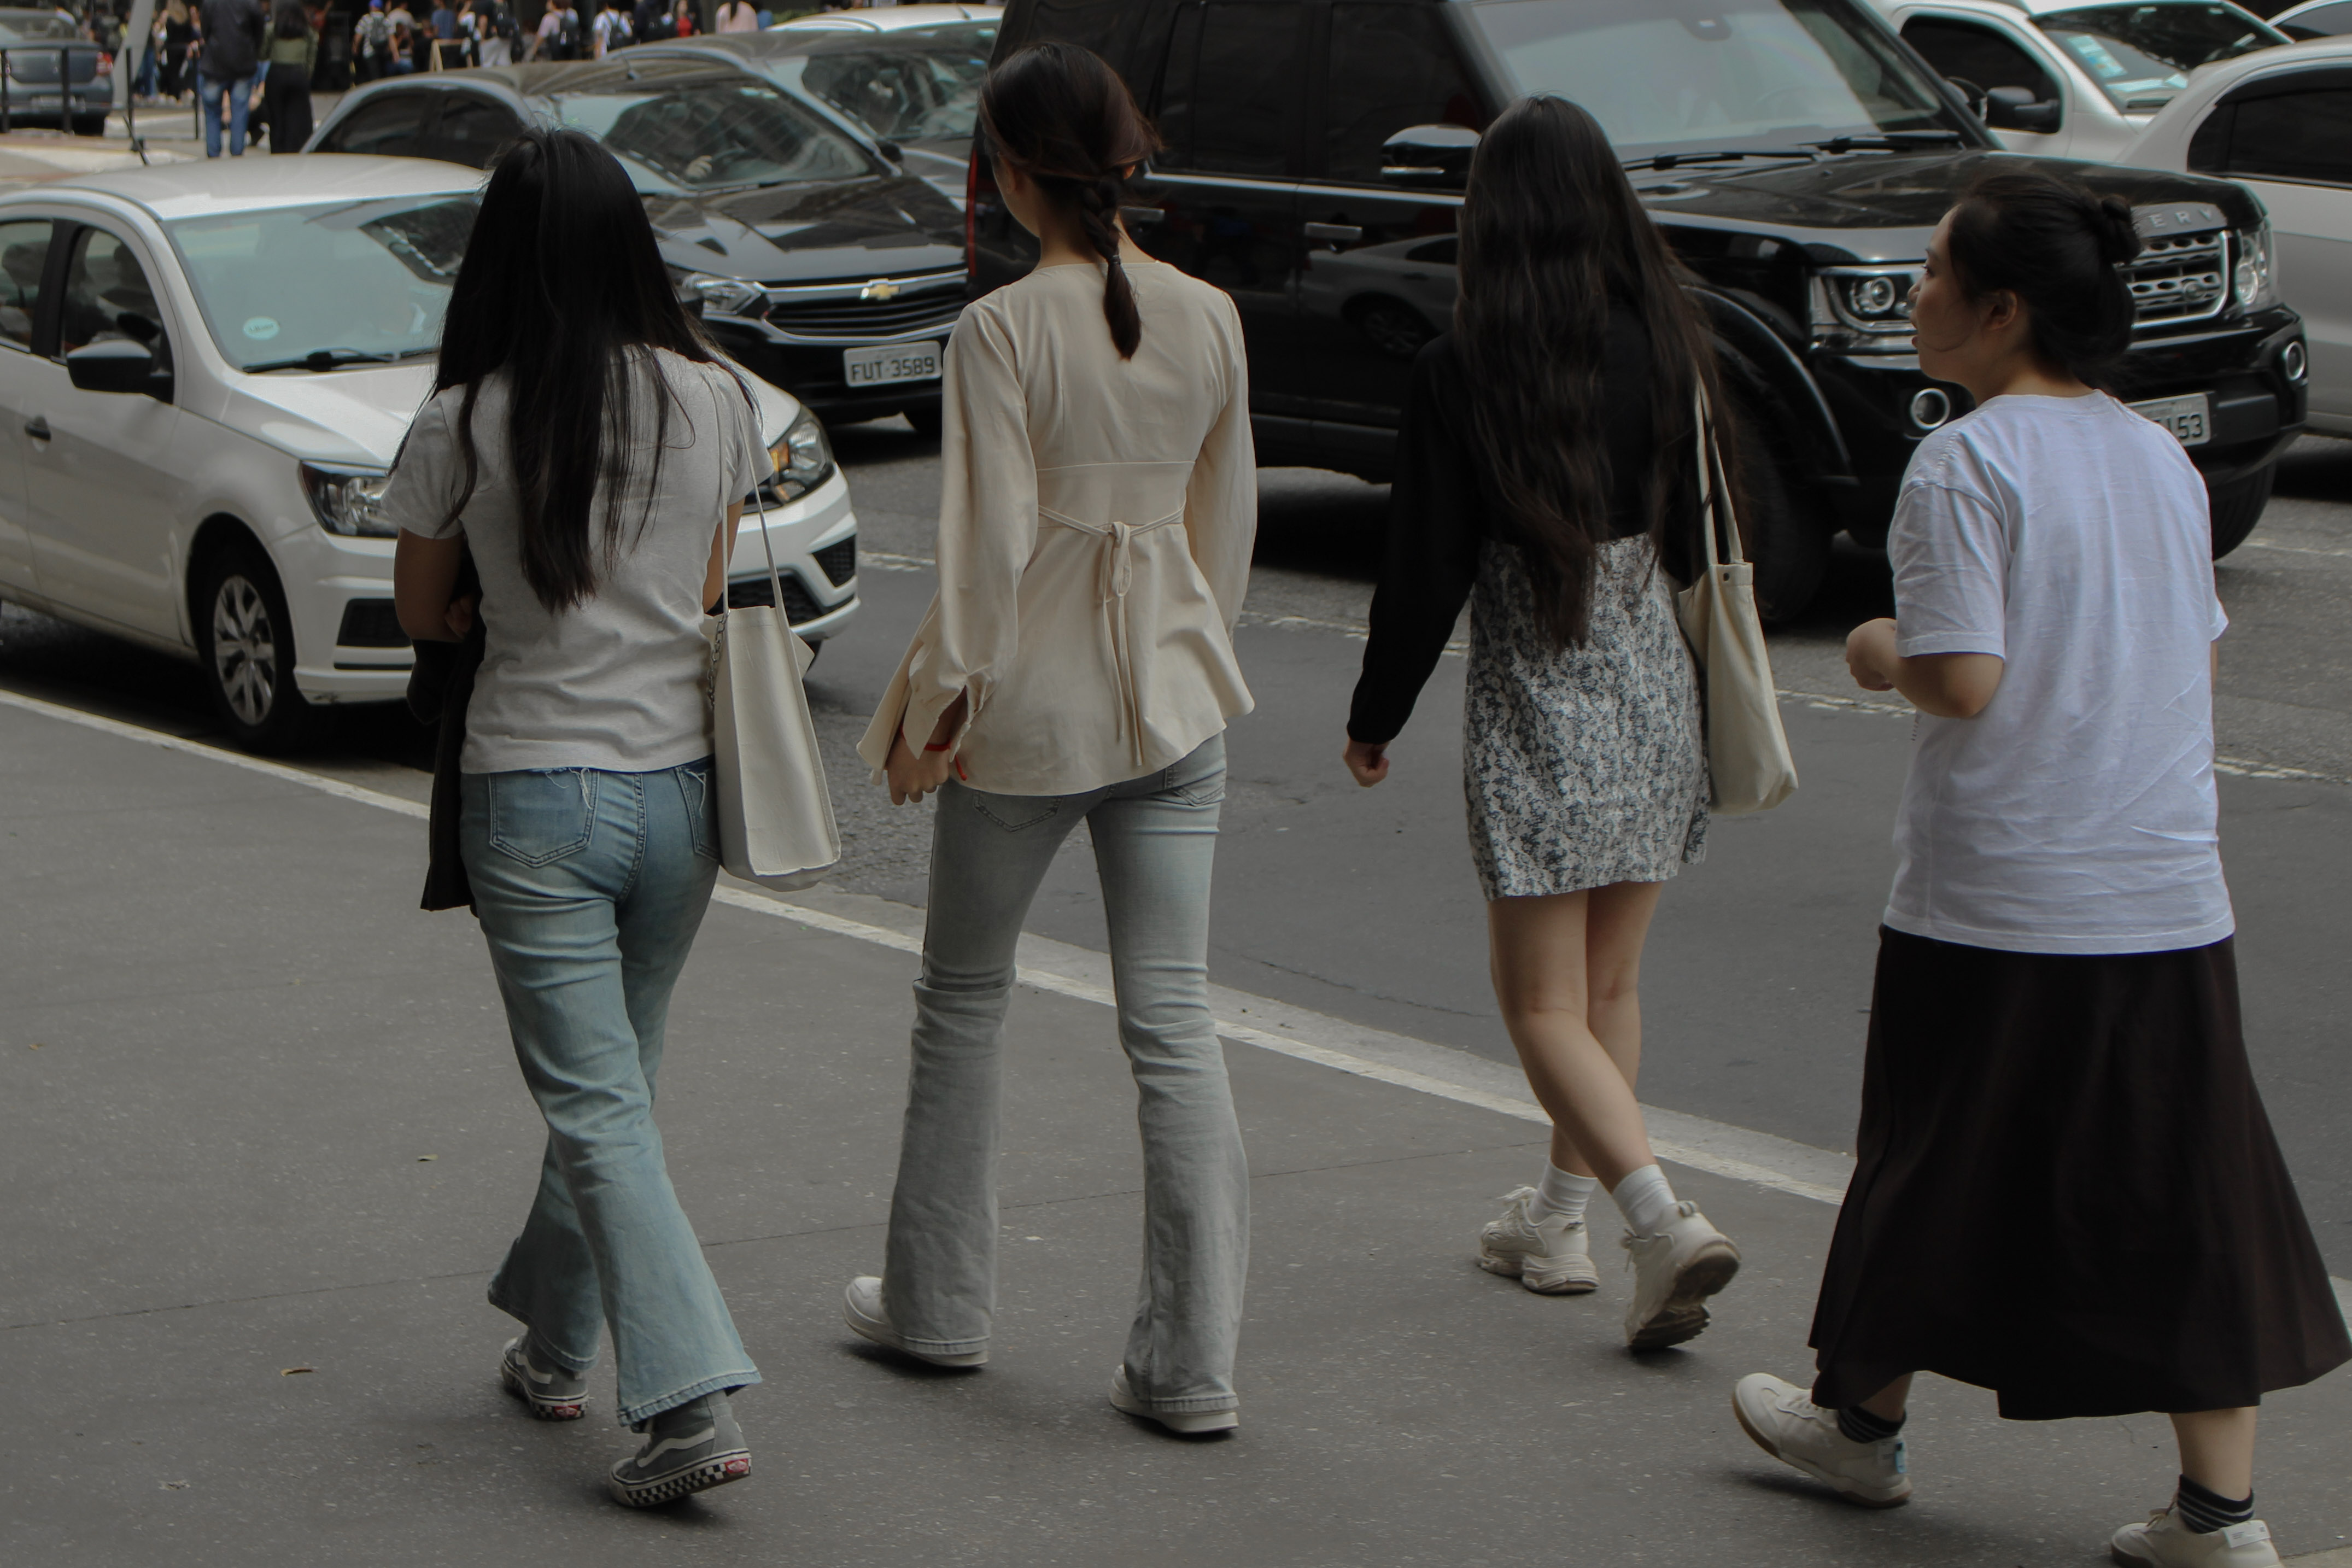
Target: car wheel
[(246, 641), (1395, 329), (1788, 526), (2238, 506), (926, 421)]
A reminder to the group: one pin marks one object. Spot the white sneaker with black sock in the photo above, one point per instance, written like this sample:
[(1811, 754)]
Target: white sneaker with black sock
[(1786, 1424)]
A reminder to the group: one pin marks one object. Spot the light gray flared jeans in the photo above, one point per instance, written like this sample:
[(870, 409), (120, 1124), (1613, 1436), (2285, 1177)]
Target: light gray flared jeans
[(1155, 842)]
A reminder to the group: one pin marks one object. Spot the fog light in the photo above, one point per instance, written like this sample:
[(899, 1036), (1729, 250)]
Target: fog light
[(1930, 407), (2294, 363)]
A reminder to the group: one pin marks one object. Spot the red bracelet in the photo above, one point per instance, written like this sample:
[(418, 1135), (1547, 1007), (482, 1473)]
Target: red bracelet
[(939, 746)]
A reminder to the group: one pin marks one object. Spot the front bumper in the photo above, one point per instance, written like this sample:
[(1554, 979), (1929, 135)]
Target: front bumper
[(810, 370)]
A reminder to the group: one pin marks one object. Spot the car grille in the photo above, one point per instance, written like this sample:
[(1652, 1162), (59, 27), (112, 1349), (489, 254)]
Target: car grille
[(371, 622), (844, 315), (839, 559), (799, 606), (2180, 278)]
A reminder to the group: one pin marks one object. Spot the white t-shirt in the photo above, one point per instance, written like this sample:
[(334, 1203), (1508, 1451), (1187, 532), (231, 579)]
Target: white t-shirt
[(2076, 813), (616, 681)]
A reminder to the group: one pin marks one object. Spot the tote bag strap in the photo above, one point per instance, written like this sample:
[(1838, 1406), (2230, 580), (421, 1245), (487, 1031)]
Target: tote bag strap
[(775, 578), (1715, 489)]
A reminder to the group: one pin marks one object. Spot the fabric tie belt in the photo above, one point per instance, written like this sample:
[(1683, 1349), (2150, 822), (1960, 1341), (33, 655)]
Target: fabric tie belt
[(1114, 578)]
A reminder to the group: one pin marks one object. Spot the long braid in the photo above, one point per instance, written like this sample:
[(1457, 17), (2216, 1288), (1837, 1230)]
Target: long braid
[(1098, 208)]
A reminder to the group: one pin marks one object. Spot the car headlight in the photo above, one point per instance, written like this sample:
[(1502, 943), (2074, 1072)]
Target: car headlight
[(2253, 283), (1857, 305), (348, 502), (803, 458), (724, 296)]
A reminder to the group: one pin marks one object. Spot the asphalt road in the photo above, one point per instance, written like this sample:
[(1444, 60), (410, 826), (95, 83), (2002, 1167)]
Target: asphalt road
[(1360, 904)]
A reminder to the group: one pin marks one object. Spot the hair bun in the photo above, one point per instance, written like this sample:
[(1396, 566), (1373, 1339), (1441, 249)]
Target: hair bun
[(2111, 220)]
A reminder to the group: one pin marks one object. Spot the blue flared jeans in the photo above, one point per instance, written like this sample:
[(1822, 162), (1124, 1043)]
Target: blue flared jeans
[(590, 886), (1155, 841)]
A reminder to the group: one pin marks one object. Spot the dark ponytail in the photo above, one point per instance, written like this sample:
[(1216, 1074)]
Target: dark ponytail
[(2057, 247), (1064, 119)]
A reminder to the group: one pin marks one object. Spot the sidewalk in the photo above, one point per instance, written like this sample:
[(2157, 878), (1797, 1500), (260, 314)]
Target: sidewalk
[(265, 1140)]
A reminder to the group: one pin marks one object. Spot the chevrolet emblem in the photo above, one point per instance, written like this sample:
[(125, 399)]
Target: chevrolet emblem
[(879, 289)]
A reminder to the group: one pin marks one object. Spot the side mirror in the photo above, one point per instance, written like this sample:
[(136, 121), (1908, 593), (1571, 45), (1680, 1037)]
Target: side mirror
[(119, 364), (1970, 94), (2015, 109), (1428, 155), (891, 149)]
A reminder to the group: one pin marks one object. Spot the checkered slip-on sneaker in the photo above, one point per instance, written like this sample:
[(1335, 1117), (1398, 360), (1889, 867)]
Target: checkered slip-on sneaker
[(687, 1449)]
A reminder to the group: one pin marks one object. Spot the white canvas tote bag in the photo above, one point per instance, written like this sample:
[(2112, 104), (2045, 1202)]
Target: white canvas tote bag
[(1747, 751), (775, 814)]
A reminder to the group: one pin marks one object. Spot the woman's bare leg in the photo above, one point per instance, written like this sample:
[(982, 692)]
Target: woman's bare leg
[(2217, 1449), (1567, 966)]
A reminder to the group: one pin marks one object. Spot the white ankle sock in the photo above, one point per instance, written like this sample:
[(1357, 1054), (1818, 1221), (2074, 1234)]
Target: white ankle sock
[(1561, 1193), (1645, 1200)]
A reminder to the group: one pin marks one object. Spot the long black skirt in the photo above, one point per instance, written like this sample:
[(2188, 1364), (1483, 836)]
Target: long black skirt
[(2068, 1192), (286, 106)]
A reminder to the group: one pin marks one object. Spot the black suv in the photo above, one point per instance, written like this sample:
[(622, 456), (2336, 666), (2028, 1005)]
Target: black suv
[(1796, 153)]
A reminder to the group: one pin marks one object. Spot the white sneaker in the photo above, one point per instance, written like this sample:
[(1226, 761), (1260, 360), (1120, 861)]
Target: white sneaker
[(1674, 1272), (1787, 1425), (1552, 1256), (1190, 1423), (2165, 1542), (862, 1309)]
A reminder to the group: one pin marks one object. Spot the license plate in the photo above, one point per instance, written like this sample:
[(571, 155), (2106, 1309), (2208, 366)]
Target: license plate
[(892, 361), (2188, 419)]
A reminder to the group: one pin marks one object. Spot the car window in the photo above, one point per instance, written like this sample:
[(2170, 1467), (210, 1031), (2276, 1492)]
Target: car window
[(1392, 66), (1979, 56), (702, 134), (107, 297), (1231, 77), (471, 128), (2319, 22), (2141, 54), (920, 85), (2300, 136), (371, 279), (21, 28), (23, 258), (391, 123)]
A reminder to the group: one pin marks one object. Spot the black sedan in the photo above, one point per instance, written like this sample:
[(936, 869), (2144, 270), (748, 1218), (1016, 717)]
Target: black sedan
[(818, 263)]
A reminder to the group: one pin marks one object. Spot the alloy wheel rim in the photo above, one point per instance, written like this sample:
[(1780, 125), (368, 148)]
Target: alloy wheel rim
[(244, 649)]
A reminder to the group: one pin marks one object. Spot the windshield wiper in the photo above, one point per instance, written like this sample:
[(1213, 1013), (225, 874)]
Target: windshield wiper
[(1663, 161), (332, 359), (1891, 141)]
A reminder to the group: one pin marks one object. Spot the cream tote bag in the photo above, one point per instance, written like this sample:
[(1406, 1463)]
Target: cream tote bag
[(775, 814), (1747, 751)]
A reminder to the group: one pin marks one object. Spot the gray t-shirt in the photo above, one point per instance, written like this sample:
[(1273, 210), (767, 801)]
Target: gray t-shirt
[(616, 681)]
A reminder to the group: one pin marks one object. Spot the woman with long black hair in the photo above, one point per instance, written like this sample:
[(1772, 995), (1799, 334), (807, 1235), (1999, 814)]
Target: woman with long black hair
[(588, 447), (2068, 1191), (292, 58), (1098, 508), (1545, 473)]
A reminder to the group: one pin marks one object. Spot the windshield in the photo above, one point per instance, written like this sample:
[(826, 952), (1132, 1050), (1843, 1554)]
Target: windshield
[(2141, 54), (921, 84), (700, 135), (372, 277), (40, 26), (1660, 75)]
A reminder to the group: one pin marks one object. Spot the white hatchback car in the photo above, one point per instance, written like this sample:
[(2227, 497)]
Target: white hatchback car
[(207, 369), (2280, 123), (2069, 79)]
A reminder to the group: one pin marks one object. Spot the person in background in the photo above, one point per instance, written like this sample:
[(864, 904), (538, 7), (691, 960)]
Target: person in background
[(682, 24), (285, 90), (497, 32), (737, 17), (1547, 473), (589, 449), (371, 44), (2067, 1189), (441, 37), (234, 31), (179, 49)]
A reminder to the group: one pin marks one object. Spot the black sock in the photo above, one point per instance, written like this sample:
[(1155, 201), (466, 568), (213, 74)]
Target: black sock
[(2205, 1510), (1859, 1425)]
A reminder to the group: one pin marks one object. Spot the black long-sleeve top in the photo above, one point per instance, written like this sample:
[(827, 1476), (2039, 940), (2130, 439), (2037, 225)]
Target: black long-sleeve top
[(1444, 504)]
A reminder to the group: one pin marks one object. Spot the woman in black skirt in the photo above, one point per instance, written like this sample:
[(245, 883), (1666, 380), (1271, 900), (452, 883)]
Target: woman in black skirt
[(285, 90), (2068, 1192)]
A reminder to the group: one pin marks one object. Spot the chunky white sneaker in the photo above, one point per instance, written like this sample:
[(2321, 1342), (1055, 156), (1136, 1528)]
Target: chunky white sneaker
[(1787, 1425), (861, 1309), (2165, 1542), (1552, 1256), (1674, 1272), (1190, 1423)]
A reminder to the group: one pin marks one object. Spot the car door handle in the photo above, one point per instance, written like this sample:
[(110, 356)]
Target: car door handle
[(1339, 233), (37, 428)]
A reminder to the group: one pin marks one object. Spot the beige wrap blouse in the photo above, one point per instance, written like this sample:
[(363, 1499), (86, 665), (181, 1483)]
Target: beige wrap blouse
[(1095, 522)]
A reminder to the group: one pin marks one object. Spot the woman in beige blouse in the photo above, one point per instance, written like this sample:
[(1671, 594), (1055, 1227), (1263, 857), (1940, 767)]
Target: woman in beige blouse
[(1095, 530)]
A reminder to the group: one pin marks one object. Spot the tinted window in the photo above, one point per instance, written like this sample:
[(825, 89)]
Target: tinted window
[(472, 127), (1967, 52), (2141, 54), (1392, 66), (2319, 22), (391, 123), (1231, 74), (2294, 136), (107, 297), (920, 84), (700, 134), (24, 256)]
